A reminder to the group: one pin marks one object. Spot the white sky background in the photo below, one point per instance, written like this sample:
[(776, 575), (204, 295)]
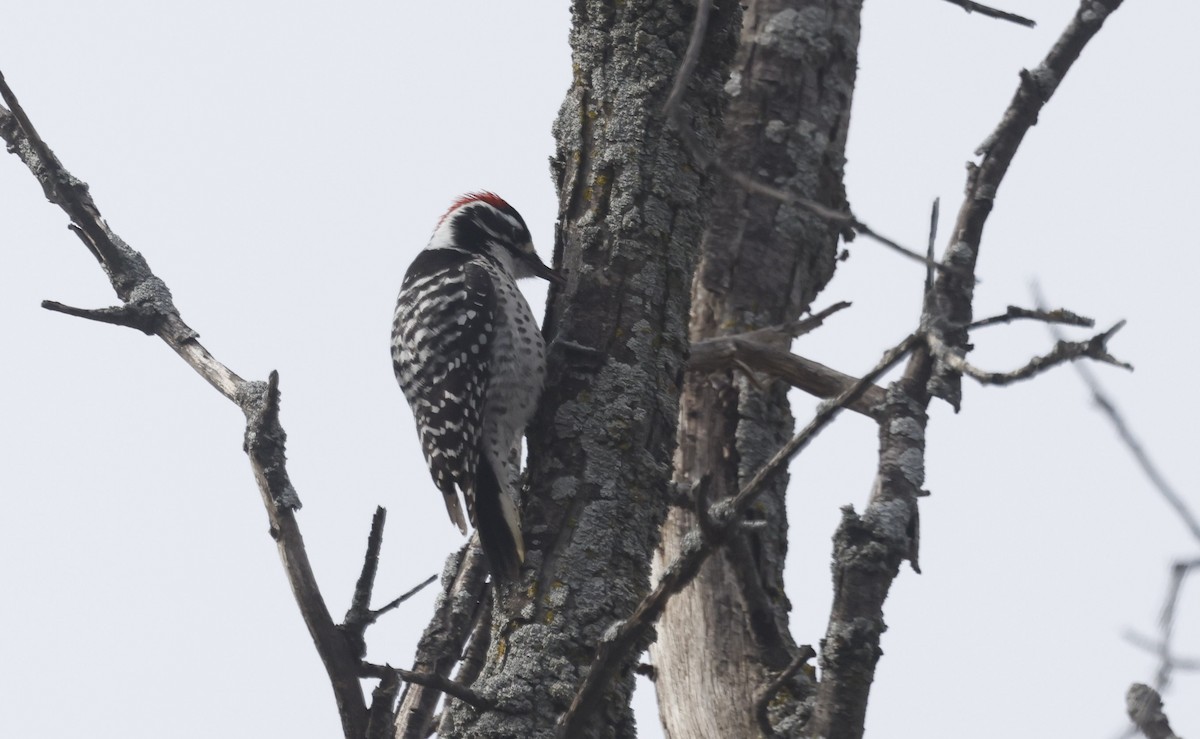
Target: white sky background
[(280, 163)]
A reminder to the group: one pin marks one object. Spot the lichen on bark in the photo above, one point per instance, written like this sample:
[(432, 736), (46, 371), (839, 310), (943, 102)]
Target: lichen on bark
[(632, 211)]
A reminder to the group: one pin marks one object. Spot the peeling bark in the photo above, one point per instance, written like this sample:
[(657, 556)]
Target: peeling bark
[(722, 640)]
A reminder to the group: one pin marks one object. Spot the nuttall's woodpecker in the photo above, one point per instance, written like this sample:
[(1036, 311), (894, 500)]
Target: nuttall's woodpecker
[(471, 361)]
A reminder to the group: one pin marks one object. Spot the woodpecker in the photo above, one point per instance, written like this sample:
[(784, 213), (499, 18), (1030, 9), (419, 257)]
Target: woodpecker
[(471, 361)]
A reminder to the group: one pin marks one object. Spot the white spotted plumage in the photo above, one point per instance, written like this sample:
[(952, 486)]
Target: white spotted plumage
[(471, 361)]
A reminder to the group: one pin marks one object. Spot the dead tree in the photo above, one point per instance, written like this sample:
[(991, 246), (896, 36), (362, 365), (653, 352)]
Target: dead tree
[(639, 143), (725, 637)]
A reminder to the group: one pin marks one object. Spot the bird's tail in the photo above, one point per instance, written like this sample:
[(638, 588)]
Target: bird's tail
[(499, 524)]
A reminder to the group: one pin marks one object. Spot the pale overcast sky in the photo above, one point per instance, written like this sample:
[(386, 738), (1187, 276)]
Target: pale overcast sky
[(280, 163)]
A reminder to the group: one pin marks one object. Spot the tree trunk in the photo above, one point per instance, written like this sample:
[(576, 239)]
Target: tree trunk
[(724, 638), (632, 202)]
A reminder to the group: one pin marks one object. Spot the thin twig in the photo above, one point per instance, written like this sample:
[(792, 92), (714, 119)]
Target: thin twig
[(973, 7), (934, 213), (392, 604), (1064, 351), (1161, 647), (1014, 313), (360, 602), (747, 182), (1179, 573), (1131, 441), (360, 615), (1149, 468), (797, 328), (824, 415), (763, 703), (1035, 89), (430, 680), (845, 219), (726, 517), (761, 351), (1155, 647), (129, 315)]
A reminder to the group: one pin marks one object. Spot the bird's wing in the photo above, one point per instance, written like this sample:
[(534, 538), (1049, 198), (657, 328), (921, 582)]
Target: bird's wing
[(443, 331)]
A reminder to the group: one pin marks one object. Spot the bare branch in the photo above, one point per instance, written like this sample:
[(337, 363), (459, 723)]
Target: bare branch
[(475, 655), (1179, 573), (824, 415), (145, 294), (457, 610), (726, 517), (1145, 708), (1161, 647), (763, 704), (1168, 662), (748, 183), (1157, 647), (797, 328), (1173, 498), (761, 351), (382, 714), (973, 7), (846, 219), (359, 616), (935, 212), (431, 680), (833, 216), (130, 316), (1064, 351), (393, 604), (1058, 315), (869, 549), (1131, 441), (1035, 89), (127, 270)]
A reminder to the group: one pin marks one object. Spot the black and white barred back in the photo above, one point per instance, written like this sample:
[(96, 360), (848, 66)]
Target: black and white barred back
[(471, 360)]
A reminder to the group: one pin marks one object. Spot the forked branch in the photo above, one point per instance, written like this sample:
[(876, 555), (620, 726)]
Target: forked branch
[(723, 520), (146, 305), (1095, 348), (869, 548), (764, 350)]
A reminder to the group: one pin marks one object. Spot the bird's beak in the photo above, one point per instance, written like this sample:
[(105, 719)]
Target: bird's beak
[(541, 270)]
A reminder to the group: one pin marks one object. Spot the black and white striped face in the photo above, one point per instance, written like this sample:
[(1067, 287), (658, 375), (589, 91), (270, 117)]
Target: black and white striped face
[(483, 223)]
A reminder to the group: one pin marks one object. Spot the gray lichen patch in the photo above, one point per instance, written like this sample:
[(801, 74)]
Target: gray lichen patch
[(889, 520), (796, 34), (907, 427)]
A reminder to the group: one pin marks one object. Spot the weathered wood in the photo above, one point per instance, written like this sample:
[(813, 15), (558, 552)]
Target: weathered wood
[(724, 638)]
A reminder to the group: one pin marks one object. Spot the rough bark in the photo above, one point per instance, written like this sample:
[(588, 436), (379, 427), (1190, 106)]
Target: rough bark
[(600, 448), (721, 641), (869, 549), (457, 608)]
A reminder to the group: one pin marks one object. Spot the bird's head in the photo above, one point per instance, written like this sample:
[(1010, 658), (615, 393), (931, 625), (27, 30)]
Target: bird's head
[(483, 223)]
